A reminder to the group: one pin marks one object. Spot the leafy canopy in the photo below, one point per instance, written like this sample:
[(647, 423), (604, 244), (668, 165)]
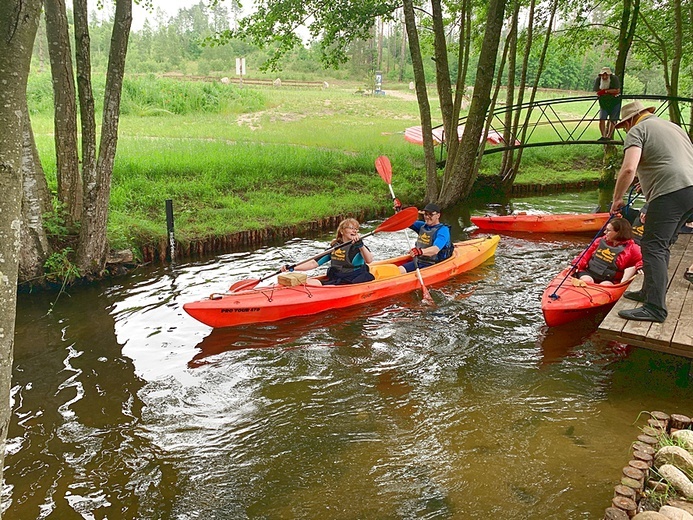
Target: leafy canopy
[(335, 24)]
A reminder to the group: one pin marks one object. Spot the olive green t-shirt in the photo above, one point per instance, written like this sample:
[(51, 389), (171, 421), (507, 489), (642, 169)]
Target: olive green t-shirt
[(666, 164)]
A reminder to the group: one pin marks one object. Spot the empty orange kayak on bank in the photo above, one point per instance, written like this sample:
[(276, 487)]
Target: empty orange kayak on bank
[(567, 298), (521, 222), (245, 303)]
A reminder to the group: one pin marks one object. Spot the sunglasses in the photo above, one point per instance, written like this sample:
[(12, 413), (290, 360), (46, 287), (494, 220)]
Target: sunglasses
[(429, 214)]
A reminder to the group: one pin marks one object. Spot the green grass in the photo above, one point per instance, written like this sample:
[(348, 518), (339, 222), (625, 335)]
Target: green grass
[(254, 158)]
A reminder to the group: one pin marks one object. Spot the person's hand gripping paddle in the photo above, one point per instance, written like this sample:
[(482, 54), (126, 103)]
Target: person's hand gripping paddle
[(384, 169), (396, 222)]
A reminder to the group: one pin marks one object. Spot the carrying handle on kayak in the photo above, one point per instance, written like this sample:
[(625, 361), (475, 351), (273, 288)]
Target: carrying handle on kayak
[(573, 267)]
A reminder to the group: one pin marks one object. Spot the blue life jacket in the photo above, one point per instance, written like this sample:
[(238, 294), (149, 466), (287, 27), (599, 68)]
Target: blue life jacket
[(427, 237)]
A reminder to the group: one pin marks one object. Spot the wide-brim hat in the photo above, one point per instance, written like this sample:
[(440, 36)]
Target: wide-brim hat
[(605, 70), (631, 110)]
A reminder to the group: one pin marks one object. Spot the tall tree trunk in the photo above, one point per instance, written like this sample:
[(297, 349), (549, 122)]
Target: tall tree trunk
[(508, 136), (532, 96), (610, 162), (629, 21), (440, 50), (34, 249), (66, 145), (690, 37), (18, 24), (380, 43), (458, 180), (494, 100), (674, 110), (465, 42), (403, 50), (93, 246), (510, 171), (84, 88), (422, 98)]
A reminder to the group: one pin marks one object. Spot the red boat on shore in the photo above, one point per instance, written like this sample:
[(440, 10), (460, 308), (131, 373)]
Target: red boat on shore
[(545, 223), (247, 303), (567, 298)]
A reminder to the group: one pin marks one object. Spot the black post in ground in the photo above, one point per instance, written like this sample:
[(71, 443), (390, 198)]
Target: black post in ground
[(169, 230)]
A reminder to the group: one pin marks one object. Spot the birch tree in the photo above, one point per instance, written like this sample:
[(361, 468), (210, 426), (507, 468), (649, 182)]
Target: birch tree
[(18, 24)]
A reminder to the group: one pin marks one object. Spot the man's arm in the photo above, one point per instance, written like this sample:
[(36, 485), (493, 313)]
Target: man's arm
[(625, 176)]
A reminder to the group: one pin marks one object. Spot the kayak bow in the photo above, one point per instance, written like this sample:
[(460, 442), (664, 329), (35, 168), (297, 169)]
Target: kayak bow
[(575, 299)]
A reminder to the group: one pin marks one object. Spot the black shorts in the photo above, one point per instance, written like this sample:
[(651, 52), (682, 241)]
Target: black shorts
[(595, 277)]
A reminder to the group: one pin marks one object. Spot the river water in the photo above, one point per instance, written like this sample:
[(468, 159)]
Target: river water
[(126, 408)]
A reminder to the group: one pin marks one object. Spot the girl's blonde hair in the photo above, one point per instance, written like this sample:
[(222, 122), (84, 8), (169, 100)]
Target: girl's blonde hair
[(339, 235)]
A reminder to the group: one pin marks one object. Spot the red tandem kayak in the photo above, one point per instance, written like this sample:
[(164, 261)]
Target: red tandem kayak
[(577, 299), (277, 302), (564, 223)]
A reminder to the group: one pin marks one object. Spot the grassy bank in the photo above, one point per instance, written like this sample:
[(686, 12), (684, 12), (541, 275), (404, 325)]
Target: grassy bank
[(266, 157)]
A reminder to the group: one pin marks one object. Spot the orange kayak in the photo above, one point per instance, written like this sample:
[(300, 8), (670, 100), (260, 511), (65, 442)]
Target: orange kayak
[(250, 304), (576, 299), (564, 223)]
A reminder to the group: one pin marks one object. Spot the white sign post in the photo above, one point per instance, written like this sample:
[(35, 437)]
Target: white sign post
[(240, 69)]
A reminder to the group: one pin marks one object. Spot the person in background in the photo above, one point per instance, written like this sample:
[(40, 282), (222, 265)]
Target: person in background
[(433, 243), (661, 154), (613, 258), (608, 89), (347, 263)]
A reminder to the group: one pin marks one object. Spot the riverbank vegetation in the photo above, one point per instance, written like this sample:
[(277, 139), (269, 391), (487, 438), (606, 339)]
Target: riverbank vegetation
[(246, 158), (235, 159)]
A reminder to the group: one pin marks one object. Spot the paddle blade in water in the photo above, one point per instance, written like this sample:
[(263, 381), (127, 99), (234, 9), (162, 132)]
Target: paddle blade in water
[(382, 164)]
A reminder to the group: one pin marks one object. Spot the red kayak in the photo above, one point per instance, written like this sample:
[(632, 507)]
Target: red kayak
[(576, 299), (522, 222), (249, 303)]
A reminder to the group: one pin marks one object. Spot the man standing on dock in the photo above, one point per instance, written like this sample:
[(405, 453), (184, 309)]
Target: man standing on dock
[(661, 154)]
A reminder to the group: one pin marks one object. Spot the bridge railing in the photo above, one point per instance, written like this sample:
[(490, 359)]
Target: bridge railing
[(566, 126)]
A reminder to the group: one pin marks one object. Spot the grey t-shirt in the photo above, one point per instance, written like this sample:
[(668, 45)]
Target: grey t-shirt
[(666, 164)]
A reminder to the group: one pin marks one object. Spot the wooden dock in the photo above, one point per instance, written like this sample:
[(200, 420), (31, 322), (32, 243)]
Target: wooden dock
[(675, 335)]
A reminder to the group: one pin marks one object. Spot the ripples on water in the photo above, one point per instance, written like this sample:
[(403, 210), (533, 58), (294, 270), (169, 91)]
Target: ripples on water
[(124, 407)]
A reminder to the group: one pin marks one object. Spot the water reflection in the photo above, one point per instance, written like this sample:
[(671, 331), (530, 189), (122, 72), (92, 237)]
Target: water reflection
[(125, 407)]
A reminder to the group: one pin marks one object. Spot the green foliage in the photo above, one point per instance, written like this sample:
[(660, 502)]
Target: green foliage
[(60, 268), (54, 221), (154, 96), (633, 86), (151, 96), (39, 93)]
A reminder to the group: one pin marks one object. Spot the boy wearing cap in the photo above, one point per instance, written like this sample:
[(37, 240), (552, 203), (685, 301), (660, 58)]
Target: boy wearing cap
[(661, 154), (608, 89), (433, 243)]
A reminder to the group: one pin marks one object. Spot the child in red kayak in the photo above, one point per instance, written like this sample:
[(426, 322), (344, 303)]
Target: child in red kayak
[(613, 258)]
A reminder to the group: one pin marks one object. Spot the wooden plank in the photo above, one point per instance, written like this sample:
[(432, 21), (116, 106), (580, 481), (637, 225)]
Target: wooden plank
[(683, 335), (675, 335)]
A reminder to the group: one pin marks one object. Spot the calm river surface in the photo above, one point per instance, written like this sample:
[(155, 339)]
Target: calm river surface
[(126, 408)]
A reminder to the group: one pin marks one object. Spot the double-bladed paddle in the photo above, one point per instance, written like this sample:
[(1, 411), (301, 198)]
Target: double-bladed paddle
[(397, 222), (384, 169)]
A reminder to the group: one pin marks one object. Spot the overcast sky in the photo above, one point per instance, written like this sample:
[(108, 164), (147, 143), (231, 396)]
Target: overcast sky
[(170, 7)]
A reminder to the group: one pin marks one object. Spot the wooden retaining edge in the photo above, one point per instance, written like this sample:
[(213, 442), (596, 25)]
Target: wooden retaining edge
[(244, 240), (635, 476), (556, 187), (241, 241)]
